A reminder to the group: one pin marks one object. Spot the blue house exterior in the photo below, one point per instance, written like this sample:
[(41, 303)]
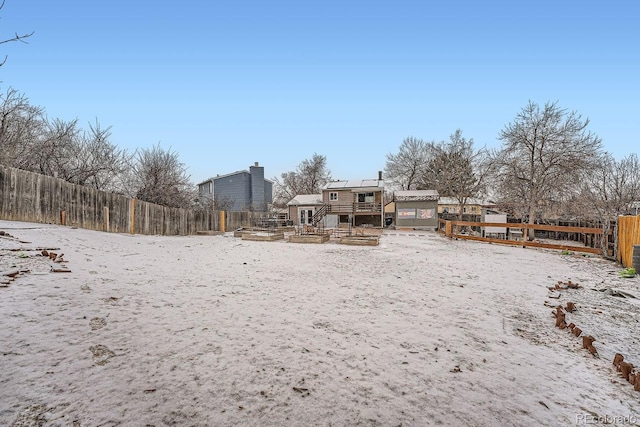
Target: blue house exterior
[(239, 191)]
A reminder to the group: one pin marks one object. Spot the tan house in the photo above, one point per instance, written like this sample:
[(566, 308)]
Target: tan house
[(473, 207), (303, 207), (355, 202)]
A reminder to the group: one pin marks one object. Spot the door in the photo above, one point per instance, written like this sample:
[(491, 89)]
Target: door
[(306, 216)]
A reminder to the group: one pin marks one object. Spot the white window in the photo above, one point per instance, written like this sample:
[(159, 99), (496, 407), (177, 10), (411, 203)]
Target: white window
[(333, 196), (366, 198)]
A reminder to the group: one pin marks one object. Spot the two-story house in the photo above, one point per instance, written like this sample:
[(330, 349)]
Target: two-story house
[(239, 191), (355, 202)]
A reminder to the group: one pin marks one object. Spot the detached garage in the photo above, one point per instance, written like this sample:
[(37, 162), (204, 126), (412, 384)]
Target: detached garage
[(417, 209)]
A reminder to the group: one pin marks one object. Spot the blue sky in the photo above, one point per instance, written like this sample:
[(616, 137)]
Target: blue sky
[(229, 83)]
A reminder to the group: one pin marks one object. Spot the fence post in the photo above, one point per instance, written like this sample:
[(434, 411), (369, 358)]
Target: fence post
[(132, 227), (448, 227), (105, 214), (222, 221), (63, 217)]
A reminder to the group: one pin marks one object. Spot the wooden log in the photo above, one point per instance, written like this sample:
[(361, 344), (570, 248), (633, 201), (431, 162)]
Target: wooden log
[(617, 359), (10, 273), (560, 320), (625, 369), (587, 341), (576, 331)]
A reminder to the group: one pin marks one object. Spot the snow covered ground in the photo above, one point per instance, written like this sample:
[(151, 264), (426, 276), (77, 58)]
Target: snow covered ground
[(213, 330)]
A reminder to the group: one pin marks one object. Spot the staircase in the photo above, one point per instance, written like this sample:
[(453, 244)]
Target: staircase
[(320, 213)]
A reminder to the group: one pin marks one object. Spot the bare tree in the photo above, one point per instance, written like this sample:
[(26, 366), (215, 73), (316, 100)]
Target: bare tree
[(544, 151), (21, 125), (611, 188), (455, 169), (310, 176), (52, 154), (15, 38), (404, 168), (160, 177), (95, 161)]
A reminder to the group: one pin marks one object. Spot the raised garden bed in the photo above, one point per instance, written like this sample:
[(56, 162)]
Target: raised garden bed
[(262, 236), (309, 238), (360, 241), (209, 233)]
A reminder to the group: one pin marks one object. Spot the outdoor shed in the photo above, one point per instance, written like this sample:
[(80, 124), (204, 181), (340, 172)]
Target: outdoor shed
[(417, 209)]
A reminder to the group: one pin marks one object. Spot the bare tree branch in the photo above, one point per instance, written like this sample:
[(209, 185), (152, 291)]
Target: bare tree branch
[(15, 38), (310, 176)]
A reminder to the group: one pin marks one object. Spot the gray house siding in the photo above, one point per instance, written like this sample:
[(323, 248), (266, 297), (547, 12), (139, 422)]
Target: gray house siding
[(239, 191), (257, 188), (268, 192), (234, 188)]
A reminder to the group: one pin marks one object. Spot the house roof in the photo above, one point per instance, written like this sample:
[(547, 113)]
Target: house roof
[(306, 199), (354, 183), (415, 195), (230, 174), (470, 201)]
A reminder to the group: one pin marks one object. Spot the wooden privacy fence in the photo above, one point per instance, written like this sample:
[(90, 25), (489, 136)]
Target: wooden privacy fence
[(31, 197), (592, 235), (628, 236)]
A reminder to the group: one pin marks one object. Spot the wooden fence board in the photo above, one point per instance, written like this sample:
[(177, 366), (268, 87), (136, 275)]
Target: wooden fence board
[(451, 230), (628, 236)]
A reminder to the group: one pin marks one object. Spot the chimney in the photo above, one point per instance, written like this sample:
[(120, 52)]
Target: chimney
[(256, 164), (380, 175)]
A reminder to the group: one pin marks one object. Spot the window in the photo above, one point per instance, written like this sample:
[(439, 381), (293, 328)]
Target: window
[(365, 198), (333, 196)]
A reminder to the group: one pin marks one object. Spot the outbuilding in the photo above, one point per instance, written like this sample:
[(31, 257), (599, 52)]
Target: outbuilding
[(416, 209)]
